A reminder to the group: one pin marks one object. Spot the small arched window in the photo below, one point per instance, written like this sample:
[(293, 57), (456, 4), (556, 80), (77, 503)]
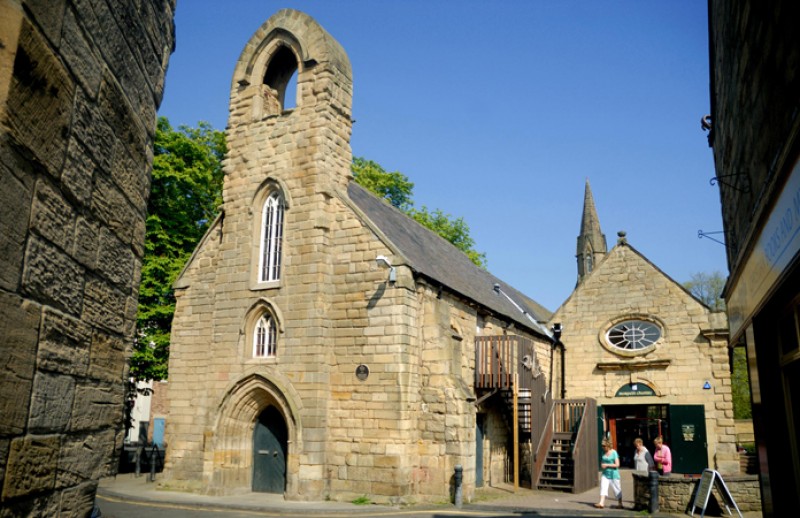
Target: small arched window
[(269, 264), (265, 337)]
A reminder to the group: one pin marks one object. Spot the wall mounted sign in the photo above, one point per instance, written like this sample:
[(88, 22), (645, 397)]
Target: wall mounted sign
[(778, 244), (635, 390), (362, 372)]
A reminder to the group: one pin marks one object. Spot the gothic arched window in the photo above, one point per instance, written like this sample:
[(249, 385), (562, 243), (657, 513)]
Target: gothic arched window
[(269, 262), (265, 337)]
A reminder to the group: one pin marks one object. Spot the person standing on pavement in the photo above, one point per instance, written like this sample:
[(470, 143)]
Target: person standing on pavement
[(642, 459), (663, 457), (609, 463)]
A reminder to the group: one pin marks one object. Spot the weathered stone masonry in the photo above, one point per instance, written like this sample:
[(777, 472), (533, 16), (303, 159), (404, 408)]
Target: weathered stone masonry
[(395, 435), (80, 82)]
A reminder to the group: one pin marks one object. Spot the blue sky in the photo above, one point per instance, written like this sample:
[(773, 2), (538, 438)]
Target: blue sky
[(499, 111)]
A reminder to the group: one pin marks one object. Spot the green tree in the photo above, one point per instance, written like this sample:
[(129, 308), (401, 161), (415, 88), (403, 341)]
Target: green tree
[(393, 187), (708, 288), (396, 189), (740, 385), (185, 196), (452, 229)]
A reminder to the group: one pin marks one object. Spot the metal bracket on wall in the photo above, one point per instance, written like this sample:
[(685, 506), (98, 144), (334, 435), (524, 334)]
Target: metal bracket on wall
[(701, 235), (719, 180)]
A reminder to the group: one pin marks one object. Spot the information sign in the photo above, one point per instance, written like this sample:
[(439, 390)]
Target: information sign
[(708, 480)]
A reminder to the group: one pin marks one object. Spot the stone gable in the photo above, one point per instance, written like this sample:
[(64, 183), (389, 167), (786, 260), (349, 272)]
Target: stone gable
[(691, 351)]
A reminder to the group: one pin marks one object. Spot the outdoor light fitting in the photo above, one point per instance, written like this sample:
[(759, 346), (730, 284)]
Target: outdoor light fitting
[(383, 262), (557, 330)]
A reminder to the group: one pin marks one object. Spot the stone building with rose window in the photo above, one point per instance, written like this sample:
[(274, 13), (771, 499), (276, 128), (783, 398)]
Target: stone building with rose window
[(323, 345), (654, 357)]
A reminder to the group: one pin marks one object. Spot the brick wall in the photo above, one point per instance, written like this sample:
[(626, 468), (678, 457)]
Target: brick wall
[(80, 82)]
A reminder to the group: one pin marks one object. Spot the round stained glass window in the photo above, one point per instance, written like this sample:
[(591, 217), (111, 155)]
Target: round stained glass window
[(633, 335)]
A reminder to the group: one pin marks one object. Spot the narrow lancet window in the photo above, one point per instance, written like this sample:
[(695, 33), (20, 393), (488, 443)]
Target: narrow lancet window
[(269, 267), (265, 338)]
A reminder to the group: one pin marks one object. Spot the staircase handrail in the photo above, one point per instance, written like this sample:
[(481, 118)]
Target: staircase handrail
[(584, 451), (540, 453)]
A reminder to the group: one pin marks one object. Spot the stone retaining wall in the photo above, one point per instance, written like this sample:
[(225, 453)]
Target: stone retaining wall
[(80, 82), (676, 493)]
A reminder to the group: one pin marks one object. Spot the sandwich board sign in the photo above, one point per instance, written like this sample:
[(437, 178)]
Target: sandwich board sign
[(708, 480)]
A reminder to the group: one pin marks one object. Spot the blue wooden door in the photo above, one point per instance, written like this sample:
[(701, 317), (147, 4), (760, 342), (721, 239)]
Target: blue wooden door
[(158, 431), (269, 452)]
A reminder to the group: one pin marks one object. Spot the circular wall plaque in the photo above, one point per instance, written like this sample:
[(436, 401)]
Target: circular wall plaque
[(362, 372)]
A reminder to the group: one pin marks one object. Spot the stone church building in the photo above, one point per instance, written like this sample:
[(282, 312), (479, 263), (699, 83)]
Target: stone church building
[(653, 356), (324, 344)]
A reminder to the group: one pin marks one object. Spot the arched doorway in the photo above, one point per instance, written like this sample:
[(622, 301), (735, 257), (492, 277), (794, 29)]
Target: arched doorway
[(270, 440)]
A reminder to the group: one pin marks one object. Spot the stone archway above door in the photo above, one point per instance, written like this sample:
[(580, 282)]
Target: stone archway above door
[(232, 451)]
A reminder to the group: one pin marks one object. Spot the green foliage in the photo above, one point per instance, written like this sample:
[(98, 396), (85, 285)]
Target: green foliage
[(394, 187), (749, 447), (362, 500), (740, 385), (454, 230), (186, 193), (397, 190), (708, 288)]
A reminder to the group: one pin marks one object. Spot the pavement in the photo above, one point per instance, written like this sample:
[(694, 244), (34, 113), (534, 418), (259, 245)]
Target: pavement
[(489, 500)]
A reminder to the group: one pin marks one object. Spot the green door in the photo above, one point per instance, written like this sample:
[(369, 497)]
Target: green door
[(269, 452), (689, 441)]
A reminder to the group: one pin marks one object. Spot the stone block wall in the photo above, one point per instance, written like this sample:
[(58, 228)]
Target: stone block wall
[(676, 494), (755, 80), (690, 352), (395, 435), (80, 82)]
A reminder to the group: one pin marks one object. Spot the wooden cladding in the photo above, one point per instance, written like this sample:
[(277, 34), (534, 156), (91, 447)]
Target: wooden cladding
[(499, 358)]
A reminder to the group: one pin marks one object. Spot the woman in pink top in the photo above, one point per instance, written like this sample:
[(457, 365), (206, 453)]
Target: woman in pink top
[(663, 457)]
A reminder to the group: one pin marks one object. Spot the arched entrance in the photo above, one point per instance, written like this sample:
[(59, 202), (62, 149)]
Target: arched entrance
[(270, 441), (257, 415)]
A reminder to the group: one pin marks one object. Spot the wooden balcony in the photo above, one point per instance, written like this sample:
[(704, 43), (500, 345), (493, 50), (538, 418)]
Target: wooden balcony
[(501, 359)]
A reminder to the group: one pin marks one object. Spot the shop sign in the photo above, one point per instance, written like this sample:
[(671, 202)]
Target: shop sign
[(635, 390), (778, 244)]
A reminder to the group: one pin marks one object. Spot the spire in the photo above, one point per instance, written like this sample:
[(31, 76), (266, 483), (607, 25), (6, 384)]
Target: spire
[(591, 241)]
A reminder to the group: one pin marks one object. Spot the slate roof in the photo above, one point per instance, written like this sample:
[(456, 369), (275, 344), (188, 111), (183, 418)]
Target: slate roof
[(430, 255)]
